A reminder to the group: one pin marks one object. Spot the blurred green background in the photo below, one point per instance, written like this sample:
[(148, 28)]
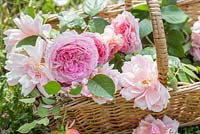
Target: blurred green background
[(13, 113)]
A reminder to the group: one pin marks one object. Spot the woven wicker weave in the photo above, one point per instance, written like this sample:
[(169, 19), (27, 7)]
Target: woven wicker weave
[(119, 116)]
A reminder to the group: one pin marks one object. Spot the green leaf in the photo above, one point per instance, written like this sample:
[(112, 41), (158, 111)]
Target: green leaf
[(168, 2), (189, 72), (70, 20), (174, 61), (187, 46), (31, 40), (44, 121), (186, 61), (175, 39), (42, 112), (97, 25), (149, 51), (30, 11), (56, 117), (173, 15), (172, 80), (193, 68), (52, 87), (183, 77), (29, 100), (48, 101), (55, 110), (141, 11), (93, 7), (26, 127), (35, 93), (117, 61), (145, 28), (102, 86), (76, 90)]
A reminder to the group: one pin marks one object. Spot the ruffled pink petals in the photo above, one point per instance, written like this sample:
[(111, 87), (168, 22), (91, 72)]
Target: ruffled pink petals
[(126, 25), (150, 125), (139, 81), (72, 57)]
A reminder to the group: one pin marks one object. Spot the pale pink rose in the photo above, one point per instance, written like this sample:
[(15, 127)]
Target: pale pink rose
[(196, 33), (27, 27), (101, 46), (150, 125), (195, 52), (139, 81), (113, 41), (30, 69), (105, 69), (72, 57), (126, 25), (195, 49)]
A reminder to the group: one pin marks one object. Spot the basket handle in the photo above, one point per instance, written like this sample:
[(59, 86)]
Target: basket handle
[(159, 40)]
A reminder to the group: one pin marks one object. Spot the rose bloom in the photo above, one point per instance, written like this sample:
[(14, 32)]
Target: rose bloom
[(29, 69), (195, 52), (27, 27), (113, 41), (139, 80), (126, 25), (150, 125), (196, 33), (72, 57), (101, 46), (195, 49)]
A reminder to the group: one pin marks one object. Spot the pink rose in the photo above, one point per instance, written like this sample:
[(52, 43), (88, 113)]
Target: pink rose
[(195, 52), (101, 46), (150, 125), (126, 25), (196, 33), (29, 68), (195, 49), (139, 80), (27, 27), (113, 41), (72, 57)]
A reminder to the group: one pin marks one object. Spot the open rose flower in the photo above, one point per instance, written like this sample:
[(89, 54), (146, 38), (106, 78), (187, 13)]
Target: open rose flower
[(27, 27), (30, 70), (101, 46), (195, 49), (126, 25), (72, 57), (139, 80), (113, 41), (150, 125)]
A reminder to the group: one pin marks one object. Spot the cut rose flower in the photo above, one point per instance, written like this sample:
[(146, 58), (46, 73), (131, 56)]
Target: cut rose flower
[(30, 69), (101, 46), (72, 57), (150, 125), (27, 27), (195, 49), (113, 41), (139, 81), (126, 25)]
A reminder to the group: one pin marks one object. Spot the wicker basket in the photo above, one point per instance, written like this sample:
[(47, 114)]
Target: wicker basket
[(119, 116)]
